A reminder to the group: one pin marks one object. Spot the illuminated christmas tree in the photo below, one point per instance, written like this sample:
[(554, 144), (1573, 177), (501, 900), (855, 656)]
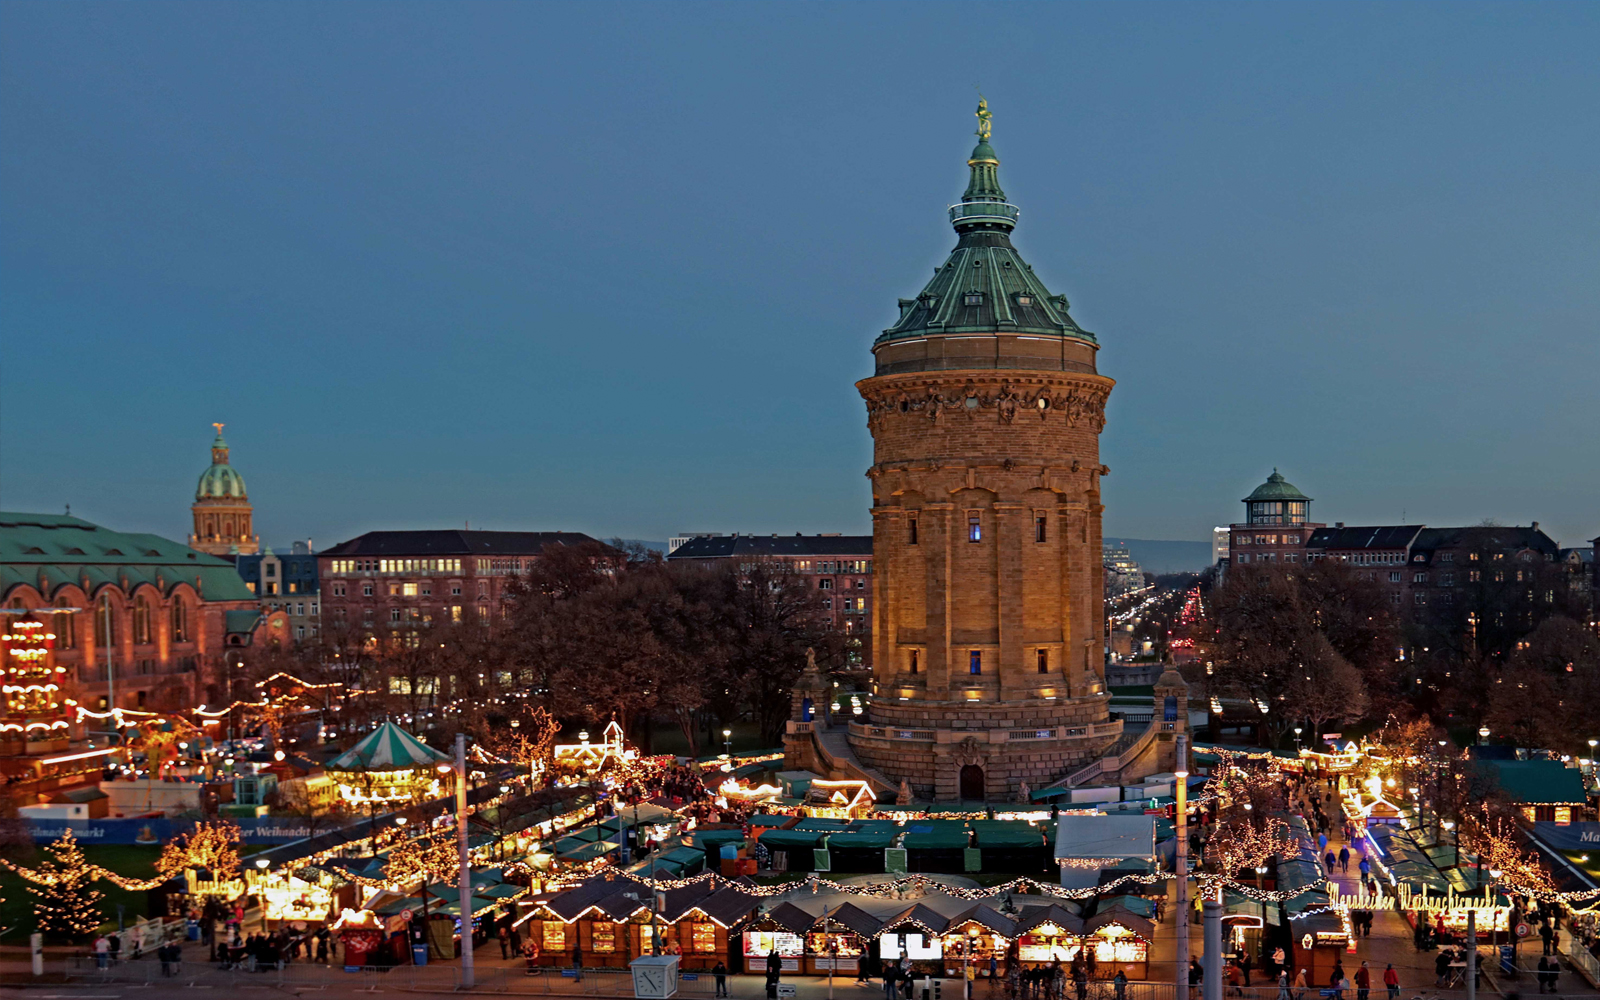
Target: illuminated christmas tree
[(65, 904)]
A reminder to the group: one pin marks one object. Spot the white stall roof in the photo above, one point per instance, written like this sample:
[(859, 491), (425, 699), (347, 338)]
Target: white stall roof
[(1108, 837)]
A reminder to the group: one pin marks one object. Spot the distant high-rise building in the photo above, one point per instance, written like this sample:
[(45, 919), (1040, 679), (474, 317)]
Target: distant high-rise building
[(222, 511), (1219, 545), (1123, 575)]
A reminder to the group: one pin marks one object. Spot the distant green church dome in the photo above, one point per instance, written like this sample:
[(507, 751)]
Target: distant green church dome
[(221, 481), (1275, 488)]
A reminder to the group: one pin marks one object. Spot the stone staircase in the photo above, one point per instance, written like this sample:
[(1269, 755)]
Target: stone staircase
[(833, 750)]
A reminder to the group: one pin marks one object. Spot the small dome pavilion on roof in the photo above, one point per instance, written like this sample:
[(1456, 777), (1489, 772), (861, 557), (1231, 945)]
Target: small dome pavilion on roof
[(1277, 501), (220, 480)]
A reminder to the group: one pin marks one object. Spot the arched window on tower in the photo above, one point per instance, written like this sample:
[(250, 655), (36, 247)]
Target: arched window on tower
[(66, 630)]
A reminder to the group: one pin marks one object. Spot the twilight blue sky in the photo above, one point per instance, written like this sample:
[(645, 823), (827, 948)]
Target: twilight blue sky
[(614, 268)]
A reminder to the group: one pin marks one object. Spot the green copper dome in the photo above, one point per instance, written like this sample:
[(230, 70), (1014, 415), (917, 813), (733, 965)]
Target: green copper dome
[(1275, 488), (985, 286), (221, 481)]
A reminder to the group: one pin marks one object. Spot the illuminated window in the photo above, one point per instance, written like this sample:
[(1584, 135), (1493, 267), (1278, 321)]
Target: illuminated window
[(1039, 531), (1044, 660), (975, 661), (974, 528), (408, 590)]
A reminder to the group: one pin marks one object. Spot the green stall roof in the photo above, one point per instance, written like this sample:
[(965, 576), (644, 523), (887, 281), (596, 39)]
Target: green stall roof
[(863, 840), (789, 838), (1007, 833), (821, 825), (937, 835)]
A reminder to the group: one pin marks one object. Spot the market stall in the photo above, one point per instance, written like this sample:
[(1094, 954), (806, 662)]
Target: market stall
[(1012, 847), (973, 937), (1048, 933), (702, 917), (937, 845), (781, 929), (1119, 940), (860, 849), (791, 850)]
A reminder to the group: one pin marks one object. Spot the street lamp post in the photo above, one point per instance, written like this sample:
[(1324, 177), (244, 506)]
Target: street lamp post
[(1297, 731), (727, 742), (1483, 735)]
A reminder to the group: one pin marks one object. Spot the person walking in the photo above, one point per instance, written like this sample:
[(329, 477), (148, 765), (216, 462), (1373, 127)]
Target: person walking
[(1301, 984), (1283, 985), (1344, 860), (1363, 982), (577, 962), (1545, 933), (1119, 983), (1244, 967), (1365, 868), (1391, 981), (1331, 860), (1336, 980), (1322, 841), (102, 952), (1197, 976), (720, 973)]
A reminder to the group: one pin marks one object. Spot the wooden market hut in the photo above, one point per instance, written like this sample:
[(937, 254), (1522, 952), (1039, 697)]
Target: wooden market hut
[(916, 933), (782, 929), (977, 934), (702, 920), (1048, 933), (1120, 939)]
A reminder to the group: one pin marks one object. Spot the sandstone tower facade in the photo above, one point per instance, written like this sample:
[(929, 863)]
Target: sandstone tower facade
[(985, 412)]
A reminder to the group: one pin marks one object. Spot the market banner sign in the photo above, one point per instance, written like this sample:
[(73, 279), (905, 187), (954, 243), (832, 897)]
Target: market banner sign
[(157, 830), (1569, 836)]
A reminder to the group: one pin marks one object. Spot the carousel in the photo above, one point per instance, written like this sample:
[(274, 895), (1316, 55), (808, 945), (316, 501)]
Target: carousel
[(389, 767)]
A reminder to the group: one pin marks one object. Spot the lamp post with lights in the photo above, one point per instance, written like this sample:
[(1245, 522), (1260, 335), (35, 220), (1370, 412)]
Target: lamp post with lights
[(727, 743)]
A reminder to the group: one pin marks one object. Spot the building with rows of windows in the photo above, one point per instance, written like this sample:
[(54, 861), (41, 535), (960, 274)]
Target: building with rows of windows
[(139, 620), (837, 567), (385, 583), (1276, 527)]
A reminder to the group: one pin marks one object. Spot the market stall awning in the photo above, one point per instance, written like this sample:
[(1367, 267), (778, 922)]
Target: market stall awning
[(791, 917), (1122, 918), (920, 916), (855, 919), (388, 748), (1034, 917), (988, 917), (588, 852), (820, 825)]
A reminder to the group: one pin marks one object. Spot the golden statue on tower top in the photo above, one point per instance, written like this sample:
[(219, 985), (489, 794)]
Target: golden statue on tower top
[(983, 119)]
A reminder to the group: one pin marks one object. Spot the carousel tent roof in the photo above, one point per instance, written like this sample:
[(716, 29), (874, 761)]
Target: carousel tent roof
[(388, 748)]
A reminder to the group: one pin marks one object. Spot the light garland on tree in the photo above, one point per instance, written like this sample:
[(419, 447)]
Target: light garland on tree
[(64, 903), (212, 846)]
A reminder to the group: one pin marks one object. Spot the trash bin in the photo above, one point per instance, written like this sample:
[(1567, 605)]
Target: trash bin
[(192, 930), (419, 954)]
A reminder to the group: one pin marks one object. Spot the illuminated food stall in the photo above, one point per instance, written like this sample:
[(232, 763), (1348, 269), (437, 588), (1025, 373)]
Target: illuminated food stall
[(1321, 938), (781, 929), (917, 934), (973, 937), (1120, 941), (1048, 933), (700, 919)]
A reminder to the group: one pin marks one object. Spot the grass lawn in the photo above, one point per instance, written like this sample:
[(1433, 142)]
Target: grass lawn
[(131, 861)]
